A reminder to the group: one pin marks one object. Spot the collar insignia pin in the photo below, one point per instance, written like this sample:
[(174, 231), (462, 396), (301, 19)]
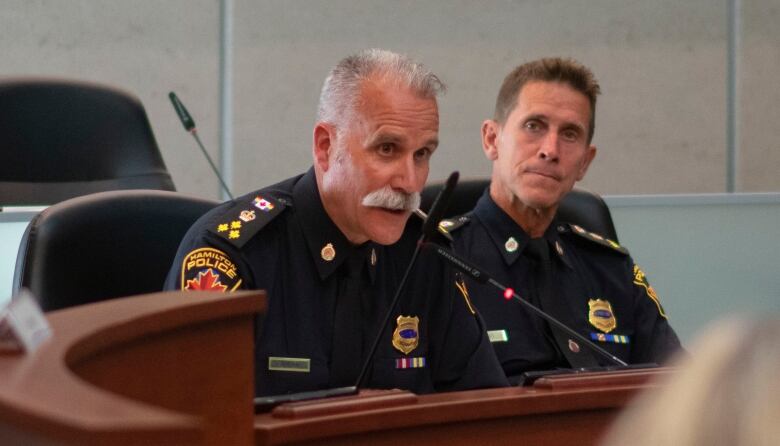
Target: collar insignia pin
[(328, 252), (511, 244)]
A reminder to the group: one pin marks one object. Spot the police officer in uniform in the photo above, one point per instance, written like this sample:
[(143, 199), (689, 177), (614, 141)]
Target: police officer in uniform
[(330, 247), (540, 144)]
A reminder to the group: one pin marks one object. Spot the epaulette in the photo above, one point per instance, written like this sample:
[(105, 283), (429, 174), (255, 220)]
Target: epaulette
[(240, 222), (449, 225), (591, 236)]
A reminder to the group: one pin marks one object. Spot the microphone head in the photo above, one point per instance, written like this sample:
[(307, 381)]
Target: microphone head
[(439, 207), (184, 116)]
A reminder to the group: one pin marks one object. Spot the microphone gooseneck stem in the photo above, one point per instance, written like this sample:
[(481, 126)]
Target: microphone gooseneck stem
[(194, 132)]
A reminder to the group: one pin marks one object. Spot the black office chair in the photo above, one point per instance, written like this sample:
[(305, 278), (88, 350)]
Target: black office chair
[(61, 139), (580, 207), (103, 245)]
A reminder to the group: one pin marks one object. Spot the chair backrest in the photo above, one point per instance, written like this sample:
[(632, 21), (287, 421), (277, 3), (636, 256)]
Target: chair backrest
[(104, 245), (61, 139), (579, 206)]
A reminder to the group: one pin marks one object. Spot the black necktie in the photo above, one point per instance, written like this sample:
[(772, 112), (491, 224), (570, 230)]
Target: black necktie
[(347, 346), (539, 252)]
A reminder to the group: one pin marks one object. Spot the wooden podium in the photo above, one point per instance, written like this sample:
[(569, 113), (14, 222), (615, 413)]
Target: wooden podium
[(165, 368), (176, 368)]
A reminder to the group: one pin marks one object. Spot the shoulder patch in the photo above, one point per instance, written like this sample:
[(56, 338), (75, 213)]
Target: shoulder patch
[(246, 218), (208, 269), (449, 225), (591, 236), (640, 280)]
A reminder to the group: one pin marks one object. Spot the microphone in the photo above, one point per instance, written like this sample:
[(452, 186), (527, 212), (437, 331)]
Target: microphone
[(509, 293), (265, 403), (439, 206), (189, 125)]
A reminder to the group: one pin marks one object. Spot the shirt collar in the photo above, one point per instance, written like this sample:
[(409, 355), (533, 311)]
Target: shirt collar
[(327, 245), (509, 237)]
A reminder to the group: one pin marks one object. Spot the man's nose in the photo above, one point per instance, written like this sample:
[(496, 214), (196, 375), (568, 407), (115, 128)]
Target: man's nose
[(548, 150), (406, 176)]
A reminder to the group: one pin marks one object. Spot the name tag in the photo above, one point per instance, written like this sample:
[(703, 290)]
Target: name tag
[(279, 364), (498, 336)]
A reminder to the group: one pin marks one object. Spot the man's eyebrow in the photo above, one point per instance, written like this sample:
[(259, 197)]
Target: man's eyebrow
[(536, 116), (385, 137)]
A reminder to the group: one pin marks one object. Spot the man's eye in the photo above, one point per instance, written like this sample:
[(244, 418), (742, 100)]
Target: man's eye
[(571, 135), (422, 154), (532, 126), (385, 149)]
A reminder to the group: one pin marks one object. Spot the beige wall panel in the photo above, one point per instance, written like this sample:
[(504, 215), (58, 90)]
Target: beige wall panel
[(759, 97), (662, 66)]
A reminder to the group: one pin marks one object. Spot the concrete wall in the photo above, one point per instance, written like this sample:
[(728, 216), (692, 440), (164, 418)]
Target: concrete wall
[(661, 125)]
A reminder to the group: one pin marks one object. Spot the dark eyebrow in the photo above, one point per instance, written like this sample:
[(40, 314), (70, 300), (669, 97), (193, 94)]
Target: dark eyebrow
[(536, 117)]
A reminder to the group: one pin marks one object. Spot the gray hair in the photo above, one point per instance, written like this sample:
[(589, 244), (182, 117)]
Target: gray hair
[(342, 86)]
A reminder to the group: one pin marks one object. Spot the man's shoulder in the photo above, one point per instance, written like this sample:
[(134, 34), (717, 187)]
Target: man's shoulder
[(458, 227), (239, 220), (589, 241)]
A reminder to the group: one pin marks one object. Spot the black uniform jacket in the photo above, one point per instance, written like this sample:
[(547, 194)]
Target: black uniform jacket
[(604, 295), (280, 239)]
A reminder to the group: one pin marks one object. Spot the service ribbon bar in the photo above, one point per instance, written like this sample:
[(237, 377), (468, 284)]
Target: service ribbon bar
[(409, 363), (613, 338)]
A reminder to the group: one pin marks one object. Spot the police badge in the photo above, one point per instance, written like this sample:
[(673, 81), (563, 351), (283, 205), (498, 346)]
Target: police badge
[(600, 315), (406, 334)]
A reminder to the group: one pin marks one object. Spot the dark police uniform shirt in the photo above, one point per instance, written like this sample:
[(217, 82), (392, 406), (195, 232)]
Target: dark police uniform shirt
[(605, 294), (280, 239)]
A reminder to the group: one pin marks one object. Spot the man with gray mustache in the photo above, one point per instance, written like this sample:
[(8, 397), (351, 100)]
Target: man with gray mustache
[(330, 247)]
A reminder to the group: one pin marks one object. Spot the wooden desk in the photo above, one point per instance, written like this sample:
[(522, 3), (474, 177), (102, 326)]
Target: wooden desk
[(562, 410), (165, 368), (174, 368)]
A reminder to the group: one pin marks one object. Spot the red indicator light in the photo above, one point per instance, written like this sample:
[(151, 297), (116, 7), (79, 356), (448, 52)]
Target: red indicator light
[(508, 293)]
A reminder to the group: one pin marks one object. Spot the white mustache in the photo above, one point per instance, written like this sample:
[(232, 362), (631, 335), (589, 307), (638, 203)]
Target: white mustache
[(388, 198)]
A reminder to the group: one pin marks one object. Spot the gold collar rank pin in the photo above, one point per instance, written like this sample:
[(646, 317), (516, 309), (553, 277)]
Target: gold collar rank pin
[(328, 252), (406, 335), (601, 316), (511, 245)]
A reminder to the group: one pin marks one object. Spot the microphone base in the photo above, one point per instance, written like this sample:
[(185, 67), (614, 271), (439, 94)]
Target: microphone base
[(267, 403), (526, 379)]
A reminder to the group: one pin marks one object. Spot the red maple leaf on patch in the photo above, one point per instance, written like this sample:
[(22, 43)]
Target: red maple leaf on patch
[(206, 281)]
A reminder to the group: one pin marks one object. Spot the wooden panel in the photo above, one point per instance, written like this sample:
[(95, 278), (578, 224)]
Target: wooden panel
[(166, 368), (576, 410)]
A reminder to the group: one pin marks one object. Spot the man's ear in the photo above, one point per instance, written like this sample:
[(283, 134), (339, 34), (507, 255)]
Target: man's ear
[(490, 131), (589, 155), (323, 144)]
